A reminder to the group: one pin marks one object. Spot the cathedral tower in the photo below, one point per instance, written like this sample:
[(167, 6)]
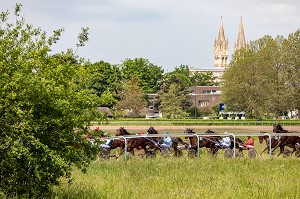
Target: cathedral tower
[(241, 41), (221, 49)]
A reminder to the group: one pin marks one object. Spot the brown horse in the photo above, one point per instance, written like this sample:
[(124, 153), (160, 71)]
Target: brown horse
[(290, 141), (277, 128), (267, 141), (134, 143), (203, 142), (175, 142)]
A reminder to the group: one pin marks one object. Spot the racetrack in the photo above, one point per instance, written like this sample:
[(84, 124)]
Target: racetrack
[(220, 128)]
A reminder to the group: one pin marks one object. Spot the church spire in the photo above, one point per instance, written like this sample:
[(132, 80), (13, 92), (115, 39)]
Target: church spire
[(221, 49), (241, 41), (221, 36)]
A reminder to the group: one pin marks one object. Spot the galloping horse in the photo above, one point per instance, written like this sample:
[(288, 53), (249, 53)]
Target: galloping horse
[(203, 142), (133, 143), (219, 138), (175, 141), (277, 128), (267, 141), (290, 141)]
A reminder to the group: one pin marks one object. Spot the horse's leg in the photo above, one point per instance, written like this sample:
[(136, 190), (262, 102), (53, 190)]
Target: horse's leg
[(121, 153), (281, 150), (278, 144), (267, 147), (294, 149)]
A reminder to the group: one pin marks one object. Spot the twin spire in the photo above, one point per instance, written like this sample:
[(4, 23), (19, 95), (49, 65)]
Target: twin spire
[(241, 41), (221, 45), (221, 36)]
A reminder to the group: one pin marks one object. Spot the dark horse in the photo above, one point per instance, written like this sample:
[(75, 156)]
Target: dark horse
[(290, 141), (207, 142), (217, 139), (175, 142), (267, 141), (134, 143), (277, 128)]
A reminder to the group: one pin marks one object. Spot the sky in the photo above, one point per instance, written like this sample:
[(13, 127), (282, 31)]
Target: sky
[(166, 32)]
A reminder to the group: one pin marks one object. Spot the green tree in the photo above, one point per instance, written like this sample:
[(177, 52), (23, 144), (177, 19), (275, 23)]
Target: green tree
[(291, 65), (132, 99), (149, 74), (45, 108), (171, 102), (104, 76), (203, 79), (180, 77), (256, 81)]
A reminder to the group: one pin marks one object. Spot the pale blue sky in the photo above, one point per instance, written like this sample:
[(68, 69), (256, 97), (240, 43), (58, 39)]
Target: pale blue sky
[(167, 32)]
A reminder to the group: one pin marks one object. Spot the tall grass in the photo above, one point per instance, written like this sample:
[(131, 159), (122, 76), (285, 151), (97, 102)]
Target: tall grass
[(203, 177)]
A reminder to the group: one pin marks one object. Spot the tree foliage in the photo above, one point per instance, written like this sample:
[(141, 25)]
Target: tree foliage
[(148, 74), (132, 98), (263, 78), (45, 106), (104, 76), (171, 102), (179, 76), (203, 79)]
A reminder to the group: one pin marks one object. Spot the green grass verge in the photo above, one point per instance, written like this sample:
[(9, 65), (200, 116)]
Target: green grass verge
[(204, 177)]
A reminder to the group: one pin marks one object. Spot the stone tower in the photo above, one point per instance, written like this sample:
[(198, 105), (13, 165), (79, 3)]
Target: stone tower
[(221, 49), (241, 41)]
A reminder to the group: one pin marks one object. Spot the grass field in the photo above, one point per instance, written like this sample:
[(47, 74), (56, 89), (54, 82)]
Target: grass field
[(204, 177), (184, 177)]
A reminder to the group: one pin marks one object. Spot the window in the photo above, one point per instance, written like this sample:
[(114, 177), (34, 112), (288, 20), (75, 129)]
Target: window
[(203, 103)]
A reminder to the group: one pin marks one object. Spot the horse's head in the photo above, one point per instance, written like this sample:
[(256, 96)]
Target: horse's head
[(277, 127), (209, 131), (262, 137), (189, 131), (151, 130), (122, 131)]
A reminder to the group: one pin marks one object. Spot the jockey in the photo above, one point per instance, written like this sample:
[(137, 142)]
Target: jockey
[(250, 142), (167, 141), (225, 142), (107, 142)]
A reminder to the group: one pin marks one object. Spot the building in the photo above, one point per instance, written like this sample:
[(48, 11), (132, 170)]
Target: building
[(241, 40), (221, 49), (208, 96), (221, 52), (205, 96), (202, 96), (153, 110)]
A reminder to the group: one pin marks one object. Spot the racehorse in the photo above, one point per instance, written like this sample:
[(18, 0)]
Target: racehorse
[(175, 141), (267, 141), (277, 128), (290, 141), (134, 143), (203, 142)]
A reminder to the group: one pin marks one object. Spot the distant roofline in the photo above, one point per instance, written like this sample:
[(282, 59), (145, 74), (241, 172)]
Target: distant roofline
[(206, 69)]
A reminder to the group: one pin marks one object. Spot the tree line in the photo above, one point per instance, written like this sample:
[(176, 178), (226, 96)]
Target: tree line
[(264, 79), (125, 86)]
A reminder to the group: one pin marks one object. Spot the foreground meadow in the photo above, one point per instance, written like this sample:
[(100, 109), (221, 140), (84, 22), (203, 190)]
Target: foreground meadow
[(203, 177), (184, 177)]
